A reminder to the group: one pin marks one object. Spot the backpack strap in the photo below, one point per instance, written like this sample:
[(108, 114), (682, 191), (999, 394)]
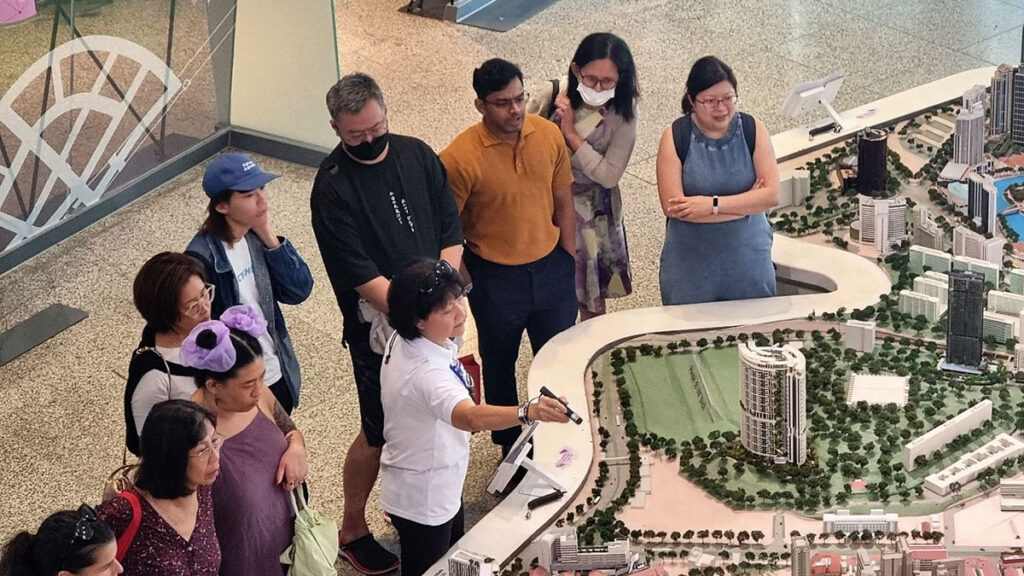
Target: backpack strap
[(125, 540), (749, 131), (683, 126), (681, 129), (554, 96)]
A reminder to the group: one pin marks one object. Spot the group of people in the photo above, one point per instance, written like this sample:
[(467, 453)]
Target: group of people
[(521, 215)]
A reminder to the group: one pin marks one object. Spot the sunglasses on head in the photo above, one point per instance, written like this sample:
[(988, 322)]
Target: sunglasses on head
[(432, 280), (84, 529)]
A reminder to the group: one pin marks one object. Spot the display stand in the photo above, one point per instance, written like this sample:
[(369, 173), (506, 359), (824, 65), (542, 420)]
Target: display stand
[(808, 96), (518, 456)]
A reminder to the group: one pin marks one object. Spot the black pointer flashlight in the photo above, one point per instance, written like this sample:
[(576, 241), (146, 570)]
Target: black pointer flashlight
[(568, 411)]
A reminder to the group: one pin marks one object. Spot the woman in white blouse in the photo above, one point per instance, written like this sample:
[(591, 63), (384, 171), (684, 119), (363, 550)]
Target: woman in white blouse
[(429, 413)]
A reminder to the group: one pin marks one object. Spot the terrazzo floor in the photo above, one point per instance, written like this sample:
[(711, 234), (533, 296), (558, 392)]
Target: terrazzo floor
[(61, 424)]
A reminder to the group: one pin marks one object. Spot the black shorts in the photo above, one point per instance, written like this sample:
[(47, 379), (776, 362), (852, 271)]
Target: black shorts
[(366, 368)]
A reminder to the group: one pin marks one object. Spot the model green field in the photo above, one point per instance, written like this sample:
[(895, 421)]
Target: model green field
[(688, 402)]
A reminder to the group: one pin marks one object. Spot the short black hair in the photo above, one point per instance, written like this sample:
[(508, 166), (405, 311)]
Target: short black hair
[(418, 290), (705, 73), (157, 288), (54, 547), (598, 46), (172, 429), (493, 76)]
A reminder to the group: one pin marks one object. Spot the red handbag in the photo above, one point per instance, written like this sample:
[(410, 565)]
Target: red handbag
[(472, 368)]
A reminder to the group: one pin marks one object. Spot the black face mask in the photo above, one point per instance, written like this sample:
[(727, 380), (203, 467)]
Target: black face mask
[(368, 151)]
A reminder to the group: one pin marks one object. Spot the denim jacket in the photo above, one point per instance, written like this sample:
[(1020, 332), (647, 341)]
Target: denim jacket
[(281, 276)]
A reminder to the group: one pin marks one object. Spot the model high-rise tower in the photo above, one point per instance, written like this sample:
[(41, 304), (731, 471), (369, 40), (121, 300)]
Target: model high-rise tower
[(1017, 101), (773, 401), (801, 558), (982, 201), (973, 95), (969, 137), (1002, 99), (966, 317), (872, 175)]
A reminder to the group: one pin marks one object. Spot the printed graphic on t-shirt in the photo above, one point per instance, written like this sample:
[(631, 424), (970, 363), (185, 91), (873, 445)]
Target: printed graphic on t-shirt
[(241, 276), (402, 211)]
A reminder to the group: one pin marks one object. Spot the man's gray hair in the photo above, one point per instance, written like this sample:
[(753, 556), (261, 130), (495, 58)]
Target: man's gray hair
[(351, 94)]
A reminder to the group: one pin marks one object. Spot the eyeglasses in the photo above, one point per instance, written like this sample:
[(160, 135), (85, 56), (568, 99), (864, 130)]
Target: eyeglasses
[(712, 103), (432, 280), (602, 83), (376, 130), (84, 529), (509, 102), (196, 307), (215, 444)]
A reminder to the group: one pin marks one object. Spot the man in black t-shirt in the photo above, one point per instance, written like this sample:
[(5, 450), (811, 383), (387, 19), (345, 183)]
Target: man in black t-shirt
[(379, 201)]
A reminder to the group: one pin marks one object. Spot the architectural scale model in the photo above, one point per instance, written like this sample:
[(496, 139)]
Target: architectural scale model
[(865, 422)]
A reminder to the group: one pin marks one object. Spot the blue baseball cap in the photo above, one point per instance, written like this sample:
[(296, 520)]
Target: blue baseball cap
[(234, 171)]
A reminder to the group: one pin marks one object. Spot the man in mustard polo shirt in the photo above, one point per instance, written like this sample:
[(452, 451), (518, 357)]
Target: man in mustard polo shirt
[(512, 182)]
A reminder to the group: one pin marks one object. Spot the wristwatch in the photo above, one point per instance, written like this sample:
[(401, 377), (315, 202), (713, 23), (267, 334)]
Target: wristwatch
[(714, 204), (524, 409)]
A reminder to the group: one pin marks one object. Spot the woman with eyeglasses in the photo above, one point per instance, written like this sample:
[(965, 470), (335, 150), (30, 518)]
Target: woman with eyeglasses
[(263, 456), (170, 507), (171, 294), (250, 264), (717, 176), (67, 543), (429, 413), (597, 116)]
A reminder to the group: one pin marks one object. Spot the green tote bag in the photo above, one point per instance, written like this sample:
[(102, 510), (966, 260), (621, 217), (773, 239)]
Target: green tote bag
[(315, 544)]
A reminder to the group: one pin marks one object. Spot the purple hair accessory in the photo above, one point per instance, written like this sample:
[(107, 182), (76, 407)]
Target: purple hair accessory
[(246, 319), (220, 358)]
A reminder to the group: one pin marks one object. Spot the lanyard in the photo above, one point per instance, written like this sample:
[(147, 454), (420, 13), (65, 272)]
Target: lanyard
[(463, 376)]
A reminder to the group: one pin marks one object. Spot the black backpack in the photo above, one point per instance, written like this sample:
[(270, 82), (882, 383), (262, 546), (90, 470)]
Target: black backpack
[(683, 126)]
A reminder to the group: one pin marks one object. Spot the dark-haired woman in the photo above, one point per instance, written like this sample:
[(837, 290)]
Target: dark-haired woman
[(264, 454), (249, 264), (171, 294), (429, 413), (597, 116), (717, 176), (67, 543), (175, 533)]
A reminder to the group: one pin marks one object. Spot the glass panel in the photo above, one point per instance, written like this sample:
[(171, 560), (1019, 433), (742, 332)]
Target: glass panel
[(98, 92)]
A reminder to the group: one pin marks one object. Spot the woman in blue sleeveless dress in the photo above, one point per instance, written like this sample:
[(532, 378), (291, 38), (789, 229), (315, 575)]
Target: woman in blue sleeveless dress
[(715, 186)]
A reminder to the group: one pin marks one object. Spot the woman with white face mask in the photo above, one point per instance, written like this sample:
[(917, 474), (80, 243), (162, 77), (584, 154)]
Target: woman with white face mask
[(597, 116)]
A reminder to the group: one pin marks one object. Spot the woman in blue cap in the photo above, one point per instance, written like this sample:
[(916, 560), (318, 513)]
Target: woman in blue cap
[(249, 264)]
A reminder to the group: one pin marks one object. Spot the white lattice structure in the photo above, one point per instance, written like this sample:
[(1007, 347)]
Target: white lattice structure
[(87, 184)]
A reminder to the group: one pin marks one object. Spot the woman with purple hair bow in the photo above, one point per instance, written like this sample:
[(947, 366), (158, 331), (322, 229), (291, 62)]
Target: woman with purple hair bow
[(264, 454)]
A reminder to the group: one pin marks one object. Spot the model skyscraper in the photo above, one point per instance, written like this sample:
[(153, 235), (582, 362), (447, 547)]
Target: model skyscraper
[(982, 200), (1000, 109), (969, 137), (872, 175), (966, 318), (1017, 102), (773, 401)]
